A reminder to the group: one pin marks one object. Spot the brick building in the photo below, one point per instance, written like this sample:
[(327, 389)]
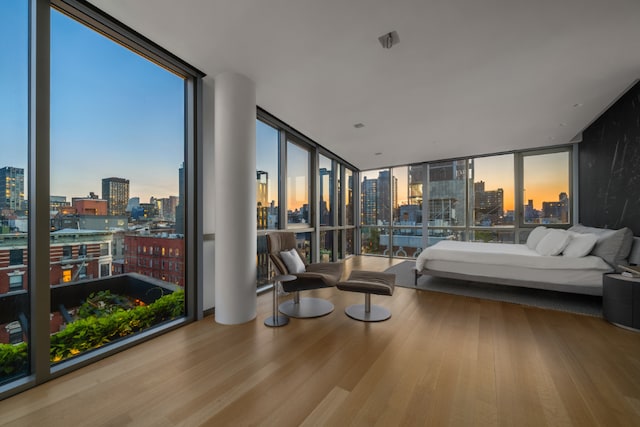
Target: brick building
[(157, 256), (74, 255), (90, 206)]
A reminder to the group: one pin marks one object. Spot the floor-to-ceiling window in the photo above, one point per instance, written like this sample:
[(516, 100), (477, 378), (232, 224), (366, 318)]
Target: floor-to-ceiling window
[(267, 193), (375, 211), (315, 188), (447, 200), (328, 185), (348, 220), (498, 198), (407, 211), (14, 170), (102, 142), (298, 195), (117, 153)]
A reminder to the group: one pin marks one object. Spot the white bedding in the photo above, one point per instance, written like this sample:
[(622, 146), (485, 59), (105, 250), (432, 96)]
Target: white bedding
[(515, 262)]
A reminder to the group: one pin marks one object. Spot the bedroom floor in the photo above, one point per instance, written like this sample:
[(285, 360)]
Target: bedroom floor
[(440, 360)]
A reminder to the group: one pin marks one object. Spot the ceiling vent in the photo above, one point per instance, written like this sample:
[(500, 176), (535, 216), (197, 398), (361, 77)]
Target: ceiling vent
[(390, 39)]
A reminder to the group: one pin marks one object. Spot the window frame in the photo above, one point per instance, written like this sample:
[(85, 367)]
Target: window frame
[(38, 182)]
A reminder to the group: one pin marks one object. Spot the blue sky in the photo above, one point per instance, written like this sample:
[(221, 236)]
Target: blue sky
[(113, 113)]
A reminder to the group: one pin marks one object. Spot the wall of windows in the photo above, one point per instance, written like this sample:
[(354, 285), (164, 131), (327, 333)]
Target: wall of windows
[(100, 141), (314, 186), (474, 199)]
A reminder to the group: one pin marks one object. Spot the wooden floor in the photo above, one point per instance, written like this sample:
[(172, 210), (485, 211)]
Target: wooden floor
[(440, 360)]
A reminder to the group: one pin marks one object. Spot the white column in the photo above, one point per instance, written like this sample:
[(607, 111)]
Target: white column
[(235, 199)]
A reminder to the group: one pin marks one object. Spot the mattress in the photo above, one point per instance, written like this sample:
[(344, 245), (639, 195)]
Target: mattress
[(515, 264)]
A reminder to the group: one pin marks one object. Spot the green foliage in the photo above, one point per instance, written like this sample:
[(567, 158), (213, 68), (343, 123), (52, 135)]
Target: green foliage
[(103, 303), (13, 359), (93, 332), (373, 243), (485, 236)]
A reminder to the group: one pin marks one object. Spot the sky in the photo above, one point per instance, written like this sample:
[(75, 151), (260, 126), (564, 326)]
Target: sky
[(113, 113)]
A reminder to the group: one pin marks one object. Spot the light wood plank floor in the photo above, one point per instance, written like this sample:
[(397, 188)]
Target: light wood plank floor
[(440, 360)]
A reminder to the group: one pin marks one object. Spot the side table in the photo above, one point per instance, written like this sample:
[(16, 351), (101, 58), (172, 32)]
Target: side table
[(276, 319), (621, 300)]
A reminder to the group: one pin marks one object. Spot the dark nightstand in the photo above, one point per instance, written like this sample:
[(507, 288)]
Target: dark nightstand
[(621, 300)]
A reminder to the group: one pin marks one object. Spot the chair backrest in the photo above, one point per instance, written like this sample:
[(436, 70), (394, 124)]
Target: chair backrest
[(278, 242)]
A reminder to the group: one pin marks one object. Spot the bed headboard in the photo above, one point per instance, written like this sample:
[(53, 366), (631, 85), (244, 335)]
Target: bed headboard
[(634, 255)]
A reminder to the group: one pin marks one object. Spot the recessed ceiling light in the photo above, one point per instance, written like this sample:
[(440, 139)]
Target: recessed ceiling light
[(358, 125)]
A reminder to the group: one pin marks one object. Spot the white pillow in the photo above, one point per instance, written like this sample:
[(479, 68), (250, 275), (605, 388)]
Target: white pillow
[(580, 245), (535, 236), (553, 243), (292, 261)]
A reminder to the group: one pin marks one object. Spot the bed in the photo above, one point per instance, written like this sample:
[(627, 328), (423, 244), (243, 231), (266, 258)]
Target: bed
[(571, 260)]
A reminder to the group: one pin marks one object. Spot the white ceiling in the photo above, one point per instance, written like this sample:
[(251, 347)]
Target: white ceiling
[(468, 76)]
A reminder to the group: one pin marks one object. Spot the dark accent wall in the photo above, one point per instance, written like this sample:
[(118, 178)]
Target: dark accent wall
[(610, 166)]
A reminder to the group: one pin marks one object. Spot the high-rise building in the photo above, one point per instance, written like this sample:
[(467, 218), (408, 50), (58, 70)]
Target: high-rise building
[(447, 193), (387, 189), (262, 197), (11, 188), (327, 199), (180, 207), (116, 192), (369, 196), (556, 212), (488, 205)]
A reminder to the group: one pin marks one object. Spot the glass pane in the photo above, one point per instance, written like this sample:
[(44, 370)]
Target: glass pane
[(546, 188), (375, 193), (14, 111), (327, 197), (348, 196), (416, 178), (407, 241), (493, 235), (493, 196), (117, 126), (375, 240), (267, 176), (297, 185), (326, 246), (400, 195), (407, 211), (447, 193), (350, 241), (437, 234), (303, 241), (262, 262)]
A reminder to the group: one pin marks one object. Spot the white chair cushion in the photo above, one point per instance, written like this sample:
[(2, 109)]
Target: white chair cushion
[(293, 262)]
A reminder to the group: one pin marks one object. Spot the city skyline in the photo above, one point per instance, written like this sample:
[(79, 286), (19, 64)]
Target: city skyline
[(113, 112)]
